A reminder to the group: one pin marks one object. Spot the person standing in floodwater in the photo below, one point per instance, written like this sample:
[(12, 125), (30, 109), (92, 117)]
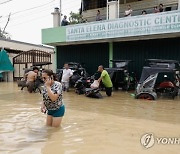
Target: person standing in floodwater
[(52, 99), (31, 77), (106, 80), (67, 73)]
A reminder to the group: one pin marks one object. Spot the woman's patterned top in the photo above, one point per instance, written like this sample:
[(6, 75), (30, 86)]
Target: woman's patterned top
[(56, 88)]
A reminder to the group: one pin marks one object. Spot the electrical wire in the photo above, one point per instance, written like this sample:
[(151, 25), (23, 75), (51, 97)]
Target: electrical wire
[(32, 8), (47, 9), (31, 13), (39, 18), (21, 11), (5, 2), (15, 17), (38, 11), (64, 9)]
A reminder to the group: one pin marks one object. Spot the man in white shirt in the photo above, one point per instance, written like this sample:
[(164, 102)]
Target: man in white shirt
[(67, 73)]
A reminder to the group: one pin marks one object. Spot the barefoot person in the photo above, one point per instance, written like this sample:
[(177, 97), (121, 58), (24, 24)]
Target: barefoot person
[(52, 99)]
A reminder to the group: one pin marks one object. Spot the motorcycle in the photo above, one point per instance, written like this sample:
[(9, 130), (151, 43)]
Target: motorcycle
[(83, 86)]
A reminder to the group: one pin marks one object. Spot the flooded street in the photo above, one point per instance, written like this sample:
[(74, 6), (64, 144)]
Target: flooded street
[(111, 125)]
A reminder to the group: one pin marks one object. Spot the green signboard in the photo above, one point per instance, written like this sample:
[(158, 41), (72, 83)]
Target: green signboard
[(159, 23)]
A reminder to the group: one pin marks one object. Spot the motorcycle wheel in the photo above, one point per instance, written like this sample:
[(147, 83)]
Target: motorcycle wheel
[(145, 96)]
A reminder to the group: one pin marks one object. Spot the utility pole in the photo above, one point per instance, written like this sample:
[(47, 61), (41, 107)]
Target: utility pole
[(60, 10)]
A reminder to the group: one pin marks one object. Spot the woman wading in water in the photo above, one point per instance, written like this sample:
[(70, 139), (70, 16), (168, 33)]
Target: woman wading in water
[(52, 99)]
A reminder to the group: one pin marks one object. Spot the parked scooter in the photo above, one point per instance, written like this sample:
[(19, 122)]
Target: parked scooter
[(83, 86), (93, 92)]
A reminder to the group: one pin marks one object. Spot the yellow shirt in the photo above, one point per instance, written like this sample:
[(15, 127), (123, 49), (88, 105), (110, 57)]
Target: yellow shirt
[(106, 79)]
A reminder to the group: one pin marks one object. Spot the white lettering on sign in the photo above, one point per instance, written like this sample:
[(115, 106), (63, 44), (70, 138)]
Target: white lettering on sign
[(159, 23)]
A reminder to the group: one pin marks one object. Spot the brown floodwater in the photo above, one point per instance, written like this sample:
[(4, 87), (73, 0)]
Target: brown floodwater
[(111, 125)]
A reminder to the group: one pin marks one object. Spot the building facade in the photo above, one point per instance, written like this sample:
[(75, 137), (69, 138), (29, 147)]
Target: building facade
[(15, 48), (137, 37)]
